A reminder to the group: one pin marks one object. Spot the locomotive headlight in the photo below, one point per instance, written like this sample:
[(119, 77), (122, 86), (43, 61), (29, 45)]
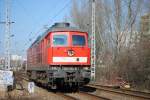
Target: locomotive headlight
[(71, 52)]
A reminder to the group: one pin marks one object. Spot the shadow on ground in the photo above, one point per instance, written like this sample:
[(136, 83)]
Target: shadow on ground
[(72, 90)]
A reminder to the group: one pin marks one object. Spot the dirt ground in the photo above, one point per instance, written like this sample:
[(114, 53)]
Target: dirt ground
[(23, 94)]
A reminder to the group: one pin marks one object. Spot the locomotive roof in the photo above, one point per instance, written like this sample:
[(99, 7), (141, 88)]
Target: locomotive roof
[(56, 28)]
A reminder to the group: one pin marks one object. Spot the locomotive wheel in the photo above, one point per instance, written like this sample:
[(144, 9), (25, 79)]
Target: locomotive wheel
[(75, 88), (60, 83)]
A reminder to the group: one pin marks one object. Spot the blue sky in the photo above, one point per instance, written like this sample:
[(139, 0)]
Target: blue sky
[(30, 16)]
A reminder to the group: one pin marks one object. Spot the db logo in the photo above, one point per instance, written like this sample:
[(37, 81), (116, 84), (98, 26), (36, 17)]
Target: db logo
[(71, 52)]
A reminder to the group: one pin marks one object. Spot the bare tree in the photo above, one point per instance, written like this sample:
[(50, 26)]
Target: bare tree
[(117, 38)]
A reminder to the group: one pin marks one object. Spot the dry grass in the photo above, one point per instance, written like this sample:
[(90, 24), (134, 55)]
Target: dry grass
[(18, 95)]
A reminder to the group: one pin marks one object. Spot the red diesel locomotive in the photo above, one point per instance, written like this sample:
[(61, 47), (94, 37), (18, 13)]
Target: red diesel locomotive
[(60, 57)]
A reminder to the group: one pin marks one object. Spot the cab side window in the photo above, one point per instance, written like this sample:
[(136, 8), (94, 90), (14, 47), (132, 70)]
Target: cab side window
[(48, 42)]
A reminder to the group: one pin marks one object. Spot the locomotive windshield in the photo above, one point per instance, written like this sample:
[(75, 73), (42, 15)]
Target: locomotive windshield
[(78, 40), (60, 40)]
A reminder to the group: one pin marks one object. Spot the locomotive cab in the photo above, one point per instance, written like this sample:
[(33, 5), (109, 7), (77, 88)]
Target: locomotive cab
[(69, 48)]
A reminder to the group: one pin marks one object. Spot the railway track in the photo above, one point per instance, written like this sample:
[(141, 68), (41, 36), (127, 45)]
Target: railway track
[(67, 97), (71, 96), (75, 96), (84, 96), (137, 95), (94, 97), (111, 93)]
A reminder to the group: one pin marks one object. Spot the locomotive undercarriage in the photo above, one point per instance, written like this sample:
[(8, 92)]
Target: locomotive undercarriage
[(61, 77)]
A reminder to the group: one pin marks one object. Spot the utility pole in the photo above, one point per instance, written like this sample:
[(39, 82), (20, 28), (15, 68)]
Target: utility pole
[(93, 43), (7, 35)]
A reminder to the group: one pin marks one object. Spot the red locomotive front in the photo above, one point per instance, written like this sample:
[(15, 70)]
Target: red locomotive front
[(68, 48), (60, 55)]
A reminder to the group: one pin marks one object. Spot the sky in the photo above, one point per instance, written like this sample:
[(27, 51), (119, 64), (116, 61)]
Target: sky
[(31, 18)]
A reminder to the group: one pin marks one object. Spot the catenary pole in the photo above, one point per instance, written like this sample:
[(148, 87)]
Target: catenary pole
[(93, 43), (7, 35)]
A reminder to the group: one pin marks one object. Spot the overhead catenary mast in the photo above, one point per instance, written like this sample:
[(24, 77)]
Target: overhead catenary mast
[(93, 43), (7, 35)]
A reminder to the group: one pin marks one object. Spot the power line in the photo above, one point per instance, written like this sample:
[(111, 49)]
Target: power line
[(25, 10), (61, 10), (56, 15), (28, 14)]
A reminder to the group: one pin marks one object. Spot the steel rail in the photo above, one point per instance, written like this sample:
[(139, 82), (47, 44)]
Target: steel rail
[(139, 94), (94, 96), (67, 97)]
